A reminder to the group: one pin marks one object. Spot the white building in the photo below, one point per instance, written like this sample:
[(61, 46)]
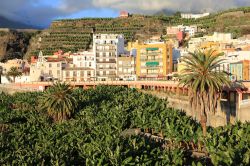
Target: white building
[(195, 16), (82, 69), (221, 37), (84, 59), (106, 49)]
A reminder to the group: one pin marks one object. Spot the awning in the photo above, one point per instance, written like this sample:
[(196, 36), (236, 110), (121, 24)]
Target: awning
[(152, 63), (152, 49)]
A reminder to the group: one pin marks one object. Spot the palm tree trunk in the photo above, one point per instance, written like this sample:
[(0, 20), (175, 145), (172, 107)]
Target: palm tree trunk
[(204, 124)]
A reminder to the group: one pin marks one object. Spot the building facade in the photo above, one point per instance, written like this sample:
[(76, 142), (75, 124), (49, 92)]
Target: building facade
[(78, 74), (106, 49), (126, 68), (240, 71), (84, 59), (20, 64), (154, 60), (194, 16), (47, 69)]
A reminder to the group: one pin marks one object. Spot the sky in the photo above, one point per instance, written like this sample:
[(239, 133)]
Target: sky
[(42, 12)]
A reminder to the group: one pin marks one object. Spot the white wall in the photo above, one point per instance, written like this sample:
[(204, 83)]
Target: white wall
[(22, 79)]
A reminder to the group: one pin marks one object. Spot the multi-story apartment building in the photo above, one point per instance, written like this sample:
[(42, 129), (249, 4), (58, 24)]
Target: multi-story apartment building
[(126, 68), (153, 60), (106, 49), (47, 69)]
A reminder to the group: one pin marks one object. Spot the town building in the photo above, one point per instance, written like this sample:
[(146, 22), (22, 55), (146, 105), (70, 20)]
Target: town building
[(20, 64), (194, 16), (82, 68), (153, 60), (47, 68), (124, 14), (126, 68), (240, 71), (78, 74), (106, 49), (188, 30), (84, 59)]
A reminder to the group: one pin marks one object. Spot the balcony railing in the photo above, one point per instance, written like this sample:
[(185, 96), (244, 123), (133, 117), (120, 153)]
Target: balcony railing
[(110, 61), (106, 68)]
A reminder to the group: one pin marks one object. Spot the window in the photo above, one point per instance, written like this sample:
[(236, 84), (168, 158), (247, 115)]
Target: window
[(74, 73), (89, 64), (89, 73), (58, 72), (50, 65), (50, 72), (58, 65)]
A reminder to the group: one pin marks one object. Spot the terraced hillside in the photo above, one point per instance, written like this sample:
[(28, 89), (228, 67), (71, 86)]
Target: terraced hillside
[(76, 34)]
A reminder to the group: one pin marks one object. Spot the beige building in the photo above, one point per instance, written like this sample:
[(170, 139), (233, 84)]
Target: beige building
[(106, 49), (20, 64), (126, 68), (47, 69), (78, 74)]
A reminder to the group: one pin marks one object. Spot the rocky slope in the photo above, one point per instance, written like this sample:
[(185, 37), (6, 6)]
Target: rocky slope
[(13, 43)]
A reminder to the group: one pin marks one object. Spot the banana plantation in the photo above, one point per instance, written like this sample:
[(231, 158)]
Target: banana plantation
[(110, 126)]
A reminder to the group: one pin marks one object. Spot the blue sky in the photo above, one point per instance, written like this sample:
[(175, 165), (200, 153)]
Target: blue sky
[(42, 12)]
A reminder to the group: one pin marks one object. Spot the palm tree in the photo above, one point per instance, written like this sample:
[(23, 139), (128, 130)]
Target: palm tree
[(14, 72), (58, 101), (205, 83)]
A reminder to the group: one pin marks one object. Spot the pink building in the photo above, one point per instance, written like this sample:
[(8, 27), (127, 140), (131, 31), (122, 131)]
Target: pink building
[(172, 30), (124, 14)]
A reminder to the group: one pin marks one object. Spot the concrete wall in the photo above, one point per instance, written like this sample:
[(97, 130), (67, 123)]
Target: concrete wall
[(224, 114)]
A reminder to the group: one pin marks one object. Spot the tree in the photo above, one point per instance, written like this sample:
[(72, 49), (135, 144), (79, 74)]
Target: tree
[(58, 101), (204, 81), (13, 72), (177, 14)]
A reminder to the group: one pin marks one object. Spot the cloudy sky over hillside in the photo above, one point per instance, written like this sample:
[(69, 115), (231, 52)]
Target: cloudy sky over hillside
[(41, 12)]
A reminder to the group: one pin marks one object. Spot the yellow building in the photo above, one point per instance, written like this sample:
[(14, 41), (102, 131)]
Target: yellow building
[(154, 60)]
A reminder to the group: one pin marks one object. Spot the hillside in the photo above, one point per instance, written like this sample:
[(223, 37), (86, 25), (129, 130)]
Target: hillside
[(76, 34), (13, 43)]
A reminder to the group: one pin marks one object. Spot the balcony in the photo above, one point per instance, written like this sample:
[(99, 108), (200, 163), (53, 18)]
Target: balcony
[(110, 61), (106, 68), (104, 57), (106, 50), (155, 59)]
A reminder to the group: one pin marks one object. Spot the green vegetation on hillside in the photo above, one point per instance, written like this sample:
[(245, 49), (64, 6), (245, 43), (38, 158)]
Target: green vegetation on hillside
[(97, 133), (76, 34)]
